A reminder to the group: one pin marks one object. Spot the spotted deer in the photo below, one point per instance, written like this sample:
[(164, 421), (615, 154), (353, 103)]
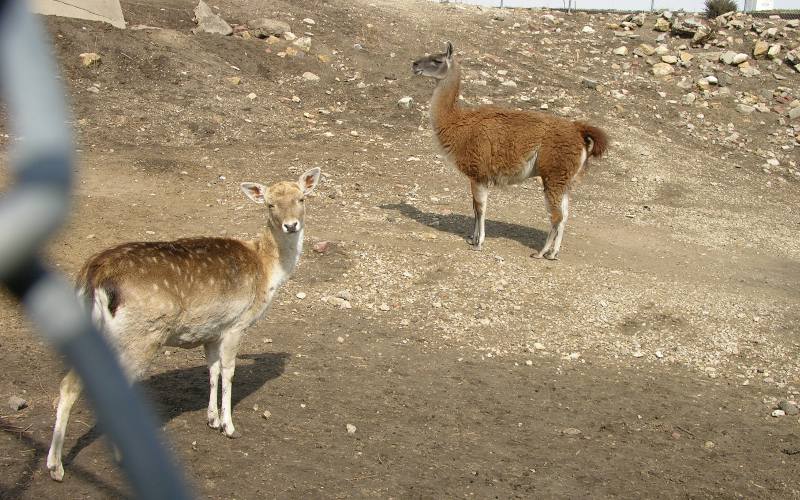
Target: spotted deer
[(187, 293), (498, 146)]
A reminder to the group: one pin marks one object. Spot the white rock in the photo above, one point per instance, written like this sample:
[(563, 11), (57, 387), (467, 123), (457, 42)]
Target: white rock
[(405, 102), (251, 96), (309, 21), (621, 51), (310, 77), (266, 414), (301, 295), (587, 29), (351, 429), (778, 413)]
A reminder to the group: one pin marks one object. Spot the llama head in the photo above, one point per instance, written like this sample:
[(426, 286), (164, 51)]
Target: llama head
[(434, 65)]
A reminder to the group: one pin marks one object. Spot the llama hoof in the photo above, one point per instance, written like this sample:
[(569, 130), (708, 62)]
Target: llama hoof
[(56, 472), (232, 435), (213, 423), (551, 256), (475, 248)]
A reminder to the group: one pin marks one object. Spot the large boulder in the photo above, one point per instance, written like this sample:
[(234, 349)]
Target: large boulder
[(208, 22)]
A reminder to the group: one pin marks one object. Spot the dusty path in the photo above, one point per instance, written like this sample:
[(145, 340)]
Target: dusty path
[(658, 345)]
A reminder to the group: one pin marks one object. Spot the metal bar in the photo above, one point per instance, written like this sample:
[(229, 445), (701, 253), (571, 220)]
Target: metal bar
[(29, 214)]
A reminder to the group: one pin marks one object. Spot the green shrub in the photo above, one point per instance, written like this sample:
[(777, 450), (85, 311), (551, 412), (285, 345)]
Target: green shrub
[(716, 8)]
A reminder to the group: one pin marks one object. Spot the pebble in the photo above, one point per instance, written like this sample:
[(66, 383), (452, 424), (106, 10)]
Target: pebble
[(90, 59), (789, 407), (340, 303), (621, 51), (778, 413), (340, 339), (301, 295), (310, 77), (251, 96), (309, 21), (266, 414), (351, 429), (539, 346), (570, 431), (384, 307), (528, 362), (587, 29), (322, 246), (16, 403), (405, 102)]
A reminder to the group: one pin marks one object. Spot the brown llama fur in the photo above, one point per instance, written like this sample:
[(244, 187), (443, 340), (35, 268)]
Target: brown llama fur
[(498, 146)]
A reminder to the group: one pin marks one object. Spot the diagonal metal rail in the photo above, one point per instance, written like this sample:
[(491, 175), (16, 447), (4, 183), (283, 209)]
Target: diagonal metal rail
[(35, 207)]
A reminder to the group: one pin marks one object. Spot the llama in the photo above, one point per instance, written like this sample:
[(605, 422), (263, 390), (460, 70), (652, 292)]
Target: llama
[(189, 292), (498, 146)]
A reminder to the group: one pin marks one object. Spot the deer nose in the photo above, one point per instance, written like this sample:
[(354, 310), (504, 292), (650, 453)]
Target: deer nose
[(291, 227)]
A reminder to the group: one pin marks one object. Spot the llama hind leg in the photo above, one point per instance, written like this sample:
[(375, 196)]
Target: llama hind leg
[(480, 195), (557, 205)]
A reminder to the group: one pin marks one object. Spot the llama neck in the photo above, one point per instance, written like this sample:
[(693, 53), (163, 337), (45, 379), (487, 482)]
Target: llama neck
[(444, 104)]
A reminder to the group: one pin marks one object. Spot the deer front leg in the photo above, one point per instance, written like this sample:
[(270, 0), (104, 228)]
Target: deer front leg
[(230, 345)]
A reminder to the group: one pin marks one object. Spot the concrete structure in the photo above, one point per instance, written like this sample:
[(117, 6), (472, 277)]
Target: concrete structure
[(108, 11)]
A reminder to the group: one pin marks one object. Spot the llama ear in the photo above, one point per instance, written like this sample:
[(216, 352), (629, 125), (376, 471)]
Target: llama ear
[(449, 52), (256, 192), (308, 181)]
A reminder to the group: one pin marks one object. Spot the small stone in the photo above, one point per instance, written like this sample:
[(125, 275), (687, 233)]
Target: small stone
[(778, 413), (301, 295), (16, 403), (340, 303), (354, 133), (251, 96), (760, 49), (340, 339), (689, 98), (662, 69), (266, 414), (528, 362), (90, 59), (289, 36), (303, 43), (589, 84), (727, 57), (662, 50), (740, 58), (509, 83), (669, 59), (322, 246), (351, 429), (309, 21), (384, 307), (794, 113), (686, 57), (709, 445), (587, 29), (788, 407), (234, 80), (774, 51), (661, 25), (621, 51), (645, 50), (310, 77), (570, 431), (405, 102), (539, 346), (745, 109), (267, 28)]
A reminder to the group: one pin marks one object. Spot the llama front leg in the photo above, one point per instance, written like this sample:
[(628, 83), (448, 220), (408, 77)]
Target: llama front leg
[(214, 368), (228, 348), (480, 196), (70, 390)]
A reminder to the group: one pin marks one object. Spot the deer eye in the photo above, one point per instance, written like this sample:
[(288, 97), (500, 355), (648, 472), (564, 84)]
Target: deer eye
[(302, 200)]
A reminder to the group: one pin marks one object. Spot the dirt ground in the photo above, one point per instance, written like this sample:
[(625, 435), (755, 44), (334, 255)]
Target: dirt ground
[(643, 364)]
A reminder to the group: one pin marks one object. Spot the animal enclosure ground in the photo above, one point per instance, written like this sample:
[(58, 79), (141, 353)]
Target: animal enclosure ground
[(645, 363)]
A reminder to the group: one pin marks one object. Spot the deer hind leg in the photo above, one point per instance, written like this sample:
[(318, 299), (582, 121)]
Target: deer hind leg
[(70, 390), (480, 195), (227, 353), (557, 203), (214, 368)]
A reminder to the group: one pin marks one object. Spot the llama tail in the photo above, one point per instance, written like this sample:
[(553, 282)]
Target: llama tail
[(596, 139)]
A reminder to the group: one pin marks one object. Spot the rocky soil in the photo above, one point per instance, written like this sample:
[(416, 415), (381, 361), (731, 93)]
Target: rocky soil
[(657, 358)]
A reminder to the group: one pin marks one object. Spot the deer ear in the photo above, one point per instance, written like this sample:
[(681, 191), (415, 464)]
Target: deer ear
[(256, 192), (308, 181), (449, 52)]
